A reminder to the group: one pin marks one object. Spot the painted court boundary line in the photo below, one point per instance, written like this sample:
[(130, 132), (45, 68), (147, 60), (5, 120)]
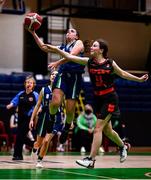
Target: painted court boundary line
[(82, 174)]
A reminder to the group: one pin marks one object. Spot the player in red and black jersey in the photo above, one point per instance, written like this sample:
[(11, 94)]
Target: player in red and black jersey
[(102, 78), (102, 71)]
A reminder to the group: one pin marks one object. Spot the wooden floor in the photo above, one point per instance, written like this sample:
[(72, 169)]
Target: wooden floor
[(64, 167), (60, 161)]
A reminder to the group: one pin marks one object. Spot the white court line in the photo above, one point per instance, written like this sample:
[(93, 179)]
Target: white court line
[(82, 174)]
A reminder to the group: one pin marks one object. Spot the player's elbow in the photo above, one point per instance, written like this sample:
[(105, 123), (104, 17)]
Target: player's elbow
[(44, 48), (122, 74)]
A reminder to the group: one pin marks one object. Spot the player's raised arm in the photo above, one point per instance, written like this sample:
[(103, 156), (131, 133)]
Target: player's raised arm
[(39, 41)]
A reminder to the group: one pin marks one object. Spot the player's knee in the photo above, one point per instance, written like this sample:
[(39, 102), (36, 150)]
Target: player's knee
[(97, 129), (55, 105), (70, 114)]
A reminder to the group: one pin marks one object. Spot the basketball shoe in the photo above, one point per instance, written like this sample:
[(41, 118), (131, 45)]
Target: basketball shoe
[(123, 152), (86, 162), (39, 164)]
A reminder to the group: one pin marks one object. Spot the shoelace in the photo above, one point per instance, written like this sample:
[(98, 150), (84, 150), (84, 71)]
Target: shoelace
[(88, 158)]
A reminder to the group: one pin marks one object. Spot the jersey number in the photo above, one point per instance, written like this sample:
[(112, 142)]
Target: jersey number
[(99, 81)]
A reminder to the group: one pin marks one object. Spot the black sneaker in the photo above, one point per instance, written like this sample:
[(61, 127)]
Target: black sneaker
[(63, 136), (86, 162), (17, 158)]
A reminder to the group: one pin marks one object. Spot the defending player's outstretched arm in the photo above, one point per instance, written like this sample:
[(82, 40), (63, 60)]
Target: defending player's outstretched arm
[(66, 55)]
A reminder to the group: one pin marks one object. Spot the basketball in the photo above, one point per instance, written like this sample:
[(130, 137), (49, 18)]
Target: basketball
[(33, 21)]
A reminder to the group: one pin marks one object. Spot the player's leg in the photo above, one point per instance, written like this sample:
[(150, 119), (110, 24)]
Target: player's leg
[(97, 141), (43, 149), (70, 114), (56, 101), (41, 130), (58, 94), (113, 136), (49, 124), (37, 145), (72, 93)]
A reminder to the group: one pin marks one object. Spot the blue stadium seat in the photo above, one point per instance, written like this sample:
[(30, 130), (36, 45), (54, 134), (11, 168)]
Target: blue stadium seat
[(133, 96), (4, 78), (5, 86), (18, 79)]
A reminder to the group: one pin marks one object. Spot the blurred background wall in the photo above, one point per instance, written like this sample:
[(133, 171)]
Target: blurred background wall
[(129, 42)]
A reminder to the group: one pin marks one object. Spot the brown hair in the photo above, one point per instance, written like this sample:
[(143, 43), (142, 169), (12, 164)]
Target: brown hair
[(87, 45), (103, 45)]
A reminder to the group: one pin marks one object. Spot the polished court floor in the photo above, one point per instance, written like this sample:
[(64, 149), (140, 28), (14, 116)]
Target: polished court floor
[(63, 166)]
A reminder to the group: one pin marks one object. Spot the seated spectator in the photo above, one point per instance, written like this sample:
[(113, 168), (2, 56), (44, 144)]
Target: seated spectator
[(86, 122)]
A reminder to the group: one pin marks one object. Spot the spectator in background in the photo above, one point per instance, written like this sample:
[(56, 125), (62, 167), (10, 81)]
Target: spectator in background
[(25, 101), (86, 122)]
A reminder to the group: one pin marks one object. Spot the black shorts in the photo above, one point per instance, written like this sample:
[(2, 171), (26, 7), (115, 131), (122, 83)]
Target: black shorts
[(43, 124), (106, 104)]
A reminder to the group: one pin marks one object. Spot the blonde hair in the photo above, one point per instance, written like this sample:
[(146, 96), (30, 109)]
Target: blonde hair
[(32, 78)]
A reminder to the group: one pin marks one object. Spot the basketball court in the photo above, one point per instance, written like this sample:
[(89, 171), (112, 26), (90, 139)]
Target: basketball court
[(63, 166)]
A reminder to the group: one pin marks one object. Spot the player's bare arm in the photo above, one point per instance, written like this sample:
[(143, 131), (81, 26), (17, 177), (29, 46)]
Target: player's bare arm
[(124, 74), (54, 65), (78, 47), (39, 42), (69, 57), (35, 111)]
